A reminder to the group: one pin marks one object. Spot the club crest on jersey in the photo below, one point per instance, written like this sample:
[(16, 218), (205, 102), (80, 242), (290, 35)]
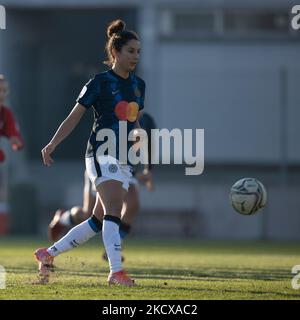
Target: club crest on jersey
[(113, 168)]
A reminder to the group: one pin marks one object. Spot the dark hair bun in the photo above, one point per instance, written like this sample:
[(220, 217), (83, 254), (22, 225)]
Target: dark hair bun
[(115, 26)]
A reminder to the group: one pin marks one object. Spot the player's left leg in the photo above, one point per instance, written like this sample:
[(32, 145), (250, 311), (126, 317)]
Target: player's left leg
[(129, 211)]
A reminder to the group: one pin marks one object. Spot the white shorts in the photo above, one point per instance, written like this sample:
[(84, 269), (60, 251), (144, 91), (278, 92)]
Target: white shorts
[(133, 181), (106, 168)]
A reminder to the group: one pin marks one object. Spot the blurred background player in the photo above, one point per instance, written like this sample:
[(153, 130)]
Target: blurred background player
[(65, 219), (8, 124), (116, 97)]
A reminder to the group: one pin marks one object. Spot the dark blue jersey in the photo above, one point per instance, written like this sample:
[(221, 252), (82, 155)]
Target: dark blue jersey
[(113, 99)]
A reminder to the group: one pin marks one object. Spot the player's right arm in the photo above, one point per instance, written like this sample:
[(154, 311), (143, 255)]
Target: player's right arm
[(66, 127)]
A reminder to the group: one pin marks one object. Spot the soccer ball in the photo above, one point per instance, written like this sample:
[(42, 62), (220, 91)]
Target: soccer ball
[(248, 195)]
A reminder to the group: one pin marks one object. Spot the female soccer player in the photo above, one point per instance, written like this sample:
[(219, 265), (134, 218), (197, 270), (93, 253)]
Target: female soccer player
[(8, 124), (116, 96)]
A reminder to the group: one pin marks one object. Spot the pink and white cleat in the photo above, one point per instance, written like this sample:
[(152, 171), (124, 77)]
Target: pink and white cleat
[(45, 264), (120, 278)]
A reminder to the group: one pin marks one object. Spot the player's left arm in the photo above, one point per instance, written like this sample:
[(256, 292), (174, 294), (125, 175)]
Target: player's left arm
[(145, 177)]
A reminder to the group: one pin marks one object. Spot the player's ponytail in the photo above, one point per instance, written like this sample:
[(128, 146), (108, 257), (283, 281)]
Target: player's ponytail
[(115, 27), (118, 36)]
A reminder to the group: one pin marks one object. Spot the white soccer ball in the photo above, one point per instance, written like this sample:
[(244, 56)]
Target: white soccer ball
[(248, 195)]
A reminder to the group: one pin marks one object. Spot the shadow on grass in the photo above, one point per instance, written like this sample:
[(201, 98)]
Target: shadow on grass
[(162, 276), (258, 294), (211, 274), (175, 274), (166, 290)]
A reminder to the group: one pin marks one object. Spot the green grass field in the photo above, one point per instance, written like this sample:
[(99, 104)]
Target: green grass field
[(163, 270)]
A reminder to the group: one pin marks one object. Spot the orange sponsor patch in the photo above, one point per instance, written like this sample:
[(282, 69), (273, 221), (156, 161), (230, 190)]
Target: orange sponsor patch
[(132, 111)]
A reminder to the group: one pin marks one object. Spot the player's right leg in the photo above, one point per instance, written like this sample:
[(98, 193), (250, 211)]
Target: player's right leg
[(130, 209), (74, 238)]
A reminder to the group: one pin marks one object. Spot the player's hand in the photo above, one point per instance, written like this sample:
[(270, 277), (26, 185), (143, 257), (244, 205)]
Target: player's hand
[(46, 152), (16, 143), (146, 178)]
